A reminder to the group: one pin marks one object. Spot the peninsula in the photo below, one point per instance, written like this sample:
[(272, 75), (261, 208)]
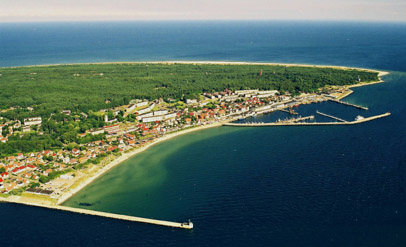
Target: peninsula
[(63, 126)]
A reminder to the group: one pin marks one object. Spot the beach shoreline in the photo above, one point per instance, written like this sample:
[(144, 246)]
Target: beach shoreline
[(132, 153), (209, 62)]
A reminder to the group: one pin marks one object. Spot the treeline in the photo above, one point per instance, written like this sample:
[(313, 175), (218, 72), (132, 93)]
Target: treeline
[(29, 143), (55, 131), (82, 88)]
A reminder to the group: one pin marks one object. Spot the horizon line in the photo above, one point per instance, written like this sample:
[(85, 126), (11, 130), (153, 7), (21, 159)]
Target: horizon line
[(207, 20)]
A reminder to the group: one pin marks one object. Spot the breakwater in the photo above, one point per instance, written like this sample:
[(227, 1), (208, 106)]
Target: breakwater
[(185, 225), (349, 104), (292, 123)]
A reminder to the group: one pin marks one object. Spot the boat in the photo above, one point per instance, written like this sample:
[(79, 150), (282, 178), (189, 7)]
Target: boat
[(359, 117)]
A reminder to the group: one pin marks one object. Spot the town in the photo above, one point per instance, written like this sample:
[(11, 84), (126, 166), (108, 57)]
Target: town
[(125, 128)]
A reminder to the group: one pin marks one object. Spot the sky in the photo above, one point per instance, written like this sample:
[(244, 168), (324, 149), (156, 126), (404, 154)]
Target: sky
[(99, 10)]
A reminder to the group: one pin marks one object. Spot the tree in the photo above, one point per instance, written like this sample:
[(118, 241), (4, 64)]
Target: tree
[(69, 136)]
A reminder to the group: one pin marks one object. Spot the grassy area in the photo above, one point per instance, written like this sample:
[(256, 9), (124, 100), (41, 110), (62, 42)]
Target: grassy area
[(4, 195)]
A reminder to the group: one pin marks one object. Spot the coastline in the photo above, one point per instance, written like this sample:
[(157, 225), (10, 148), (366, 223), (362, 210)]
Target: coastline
[(126, 156), (348, 88), (88, 179)]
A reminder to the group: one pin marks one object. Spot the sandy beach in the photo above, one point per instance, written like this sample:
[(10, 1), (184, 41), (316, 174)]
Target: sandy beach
[(219, 63), (126, 156)]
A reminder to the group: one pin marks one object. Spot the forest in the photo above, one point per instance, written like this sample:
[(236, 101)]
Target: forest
[(85, 87)]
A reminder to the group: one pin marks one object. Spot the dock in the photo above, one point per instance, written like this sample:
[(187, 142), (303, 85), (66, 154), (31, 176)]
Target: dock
[(185, 225), (305, 123), (349, 104), (330, 116), (291, 111)]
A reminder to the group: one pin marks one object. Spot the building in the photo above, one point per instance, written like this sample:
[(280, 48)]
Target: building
[(144, 103), (96, 132), (245, 92), (145, 110), (160, 113), (140, 117), (32, 121), (131, 108), (66, 112), (152, 119), (112, 129), (191, 101), (26, 128), (170, 115)]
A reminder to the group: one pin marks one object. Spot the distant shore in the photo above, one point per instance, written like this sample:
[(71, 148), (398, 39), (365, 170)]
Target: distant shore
[(210, 62)]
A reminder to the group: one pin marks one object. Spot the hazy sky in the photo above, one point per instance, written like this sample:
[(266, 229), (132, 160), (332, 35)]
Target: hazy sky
[(78, 10)]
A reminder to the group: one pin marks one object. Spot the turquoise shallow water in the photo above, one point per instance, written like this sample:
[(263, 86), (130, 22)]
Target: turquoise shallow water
[(284, 186)]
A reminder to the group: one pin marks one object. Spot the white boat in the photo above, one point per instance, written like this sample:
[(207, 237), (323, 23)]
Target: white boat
[(359, 117)]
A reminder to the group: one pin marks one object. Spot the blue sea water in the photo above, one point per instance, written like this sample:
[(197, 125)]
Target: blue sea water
[(287, 186)]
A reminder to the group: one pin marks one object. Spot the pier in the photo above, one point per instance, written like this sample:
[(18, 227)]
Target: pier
[(329, 116), (306, 124), (291, 111), (186, 225), (349, 104)]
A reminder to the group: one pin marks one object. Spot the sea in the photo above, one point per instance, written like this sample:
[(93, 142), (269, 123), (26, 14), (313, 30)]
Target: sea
[(274, 186)]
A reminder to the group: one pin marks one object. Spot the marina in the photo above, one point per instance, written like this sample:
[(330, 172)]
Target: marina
[(295, 123)]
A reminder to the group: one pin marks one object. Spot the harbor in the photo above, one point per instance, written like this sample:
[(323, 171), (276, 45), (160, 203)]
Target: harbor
[(293, 122)]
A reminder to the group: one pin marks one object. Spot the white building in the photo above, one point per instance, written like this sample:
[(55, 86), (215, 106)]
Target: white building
[(243, 92), (145, 110), (32, 121), (191, 101), (152, 119), (272, 92), (170, 115), (26, 128), (160, 113), (144, 103), (131, 108), (140, 117)]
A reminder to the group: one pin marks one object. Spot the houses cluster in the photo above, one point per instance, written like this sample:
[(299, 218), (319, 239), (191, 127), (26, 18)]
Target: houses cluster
[(153, 119), (7, 126)]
